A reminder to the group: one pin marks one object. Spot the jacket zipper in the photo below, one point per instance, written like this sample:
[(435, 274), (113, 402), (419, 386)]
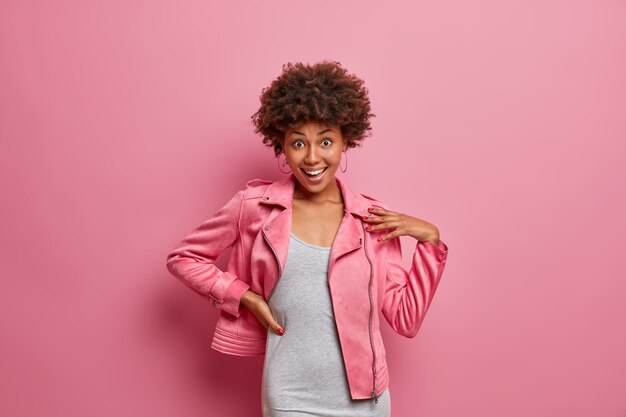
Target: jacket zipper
[(370, 321), (280, 267)]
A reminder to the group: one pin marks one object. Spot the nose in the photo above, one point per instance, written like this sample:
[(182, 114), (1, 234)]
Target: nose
[(312, 156)]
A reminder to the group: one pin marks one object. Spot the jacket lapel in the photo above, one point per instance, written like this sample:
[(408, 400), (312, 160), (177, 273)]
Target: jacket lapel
[(277, 228)]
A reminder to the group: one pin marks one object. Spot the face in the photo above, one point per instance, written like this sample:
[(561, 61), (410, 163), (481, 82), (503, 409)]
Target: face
[(312, 146)]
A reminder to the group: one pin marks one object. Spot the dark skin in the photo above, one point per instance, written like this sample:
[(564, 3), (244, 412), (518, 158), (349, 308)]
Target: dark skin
[(403, 225), (317, 207)]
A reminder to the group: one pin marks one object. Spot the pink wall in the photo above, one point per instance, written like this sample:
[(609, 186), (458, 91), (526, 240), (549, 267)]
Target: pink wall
[(125, 124)]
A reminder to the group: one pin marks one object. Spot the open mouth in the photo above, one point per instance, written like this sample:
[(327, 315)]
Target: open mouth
[(315, 176)]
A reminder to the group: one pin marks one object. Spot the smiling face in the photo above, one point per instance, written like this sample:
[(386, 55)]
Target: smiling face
[(310, 147)]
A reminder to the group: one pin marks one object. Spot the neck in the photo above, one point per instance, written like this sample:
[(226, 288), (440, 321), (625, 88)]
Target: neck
[(332, 193)]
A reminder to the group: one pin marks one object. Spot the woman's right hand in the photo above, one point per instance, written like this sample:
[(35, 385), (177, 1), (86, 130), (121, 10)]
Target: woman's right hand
[(259, 307)]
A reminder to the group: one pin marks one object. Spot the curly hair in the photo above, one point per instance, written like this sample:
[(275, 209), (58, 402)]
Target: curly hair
[(324, 92)]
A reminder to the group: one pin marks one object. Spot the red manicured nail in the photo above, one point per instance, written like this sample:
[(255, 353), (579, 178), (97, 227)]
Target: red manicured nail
[(365, 217), (379, 239), (367, 227), (280, 331)]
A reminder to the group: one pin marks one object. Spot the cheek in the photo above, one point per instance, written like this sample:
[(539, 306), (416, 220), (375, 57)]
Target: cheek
[(291, 157), (335, 158)]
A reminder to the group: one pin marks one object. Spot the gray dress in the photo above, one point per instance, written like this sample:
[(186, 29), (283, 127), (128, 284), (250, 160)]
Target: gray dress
[(303, 372)]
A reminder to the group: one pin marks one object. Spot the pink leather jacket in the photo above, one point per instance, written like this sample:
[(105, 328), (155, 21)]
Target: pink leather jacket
[(365, 277)]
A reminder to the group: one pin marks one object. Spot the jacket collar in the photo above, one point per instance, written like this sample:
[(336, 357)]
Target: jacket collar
[(281, 192), (277, 229)]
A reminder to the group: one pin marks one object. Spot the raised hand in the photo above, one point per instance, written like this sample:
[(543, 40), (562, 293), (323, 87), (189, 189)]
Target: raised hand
[(401, 224)]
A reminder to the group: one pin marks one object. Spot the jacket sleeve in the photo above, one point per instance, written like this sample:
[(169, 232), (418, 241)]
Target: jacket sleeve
[(407, 295), (192, 260)]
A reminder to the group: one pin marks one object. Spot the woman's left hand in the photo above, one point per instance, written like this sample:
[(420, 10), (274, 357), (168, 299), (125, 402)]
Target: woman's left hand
[(403, 224)]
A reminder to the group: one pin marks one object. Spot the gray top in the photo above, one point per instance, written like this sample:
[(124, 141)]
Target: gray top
[(303, 372)]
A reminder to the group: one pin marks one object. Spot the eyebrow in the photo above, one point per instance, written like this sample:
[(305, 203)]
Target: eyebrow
[(319, 133)]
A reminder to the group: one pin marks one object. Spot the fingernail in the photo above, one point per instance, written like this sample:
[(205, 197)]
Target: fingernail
[(379, 239), (365, 217), (367, 228), (280, 331)]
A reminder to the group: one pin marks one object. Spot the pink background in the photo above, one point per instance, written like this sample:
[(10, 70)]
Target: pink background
[(126, 124)]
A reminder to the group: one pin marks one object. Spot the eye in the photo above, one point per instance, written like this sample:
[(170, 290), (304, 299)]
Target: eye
[(327, 140), (296, 143)]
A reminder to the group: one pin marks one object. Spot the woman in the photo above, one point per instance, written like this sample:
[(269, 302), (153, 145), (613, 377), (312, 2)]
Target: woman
[(312, 262)]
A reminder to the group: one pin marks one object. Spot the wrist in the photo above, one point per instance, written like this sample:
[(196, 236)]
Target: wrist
[(248, 298), (245, 298), (433, 238)]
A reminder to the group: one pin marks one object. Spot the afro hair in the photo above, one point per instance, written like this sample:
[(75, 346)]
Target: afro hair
[(324, 92)]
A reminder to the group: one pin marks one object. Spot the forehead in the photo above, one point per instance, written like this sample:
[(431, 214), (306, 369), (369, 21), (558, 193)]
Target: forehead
[(311, 129)]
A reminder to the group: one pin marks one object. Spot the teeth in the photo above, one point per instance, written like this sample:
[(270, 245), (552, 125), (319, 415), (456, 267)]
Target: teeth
[(314, 172)]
